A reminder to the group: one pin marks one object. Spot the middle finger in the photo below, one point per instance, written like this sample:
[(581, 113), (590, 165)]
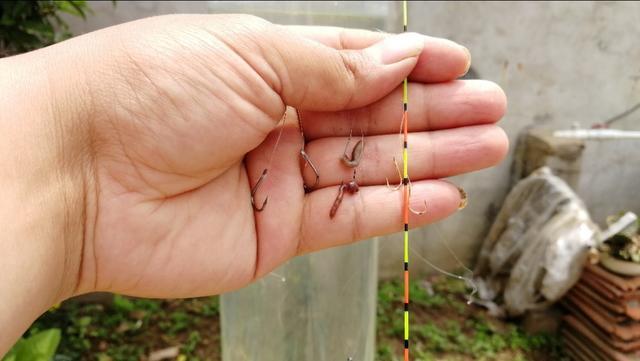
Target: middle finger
[(431, 107)]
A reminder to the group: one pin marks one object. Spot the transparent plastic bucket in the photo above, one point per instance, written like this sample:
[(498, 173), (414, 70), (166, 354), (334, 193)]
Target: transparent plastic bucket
[(319, 307)]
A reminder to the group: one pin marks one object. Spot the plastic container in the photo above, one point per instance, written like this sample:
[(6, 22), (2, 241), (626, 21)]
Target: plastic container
[(318, 307)]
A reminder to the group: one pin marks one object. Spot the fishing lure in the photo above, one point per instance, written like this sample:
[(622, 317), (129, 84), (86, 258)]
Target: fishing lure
[(350, 161), (351, 187)]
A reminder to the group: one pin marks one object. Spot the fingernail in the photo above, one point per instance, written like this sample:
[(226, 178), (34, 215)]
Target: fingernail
[(463, 199), (398, 47), (466, 69)]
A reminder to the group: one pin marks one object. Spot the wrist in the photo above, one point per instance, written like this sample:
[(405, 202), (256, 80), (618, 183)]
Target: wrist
[(43, 191)]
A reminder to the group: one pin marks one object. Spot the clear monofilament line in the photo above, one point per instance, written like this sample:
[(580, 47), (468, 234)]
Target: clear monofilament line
[(468, 280), (405, 195), (282, 122)]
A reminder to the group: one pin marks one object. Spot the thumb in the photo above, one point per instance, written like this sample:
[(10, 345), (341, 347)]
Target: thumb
[(312, 76)]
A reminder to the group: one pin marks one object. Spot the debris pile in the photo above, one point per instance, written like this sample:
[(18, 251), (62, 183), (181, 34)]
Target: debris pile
[(603, 320), (536, 247)]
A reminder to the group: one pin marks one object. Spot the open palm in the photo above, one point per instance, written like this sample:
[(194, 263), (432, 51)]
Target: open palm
[(185, 118)]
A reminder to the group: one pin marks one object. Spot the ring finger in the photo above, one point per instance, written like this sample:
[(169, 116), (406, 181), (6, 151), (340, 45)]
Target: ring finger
[(432, 155)]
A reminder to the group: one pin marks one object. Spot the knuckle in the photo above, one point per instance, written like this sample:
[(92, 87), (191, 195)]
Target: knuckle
[(251, 20), (248, 28), (353, 68)]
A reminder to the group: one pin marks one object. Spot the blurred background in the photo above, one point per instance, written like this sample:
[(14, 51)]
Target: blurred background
[(571, 72)]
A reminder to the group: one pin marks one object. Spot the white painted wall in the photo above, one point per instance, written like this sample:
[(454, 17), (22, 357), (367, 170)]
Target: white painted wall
[(559, 63)]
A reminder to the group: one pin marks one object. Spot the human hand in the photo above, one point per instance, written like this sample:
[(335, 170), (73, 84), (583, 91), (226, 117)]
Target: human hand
[(162, 126)]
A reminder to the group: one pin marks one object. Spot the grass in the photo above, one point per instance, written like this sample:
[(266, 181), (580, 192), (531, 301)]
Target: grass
[(443, 327), (128, 329)]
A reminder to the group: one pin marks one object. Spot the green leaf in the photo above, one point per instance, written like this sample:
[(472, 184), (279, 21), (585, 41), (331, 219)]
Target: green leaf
[(10, 357), (123, 304), (22, 40), (28, 25), (44, 344), (13, 353), (76, 8), (39, 347), (38, 28), (84, 321)]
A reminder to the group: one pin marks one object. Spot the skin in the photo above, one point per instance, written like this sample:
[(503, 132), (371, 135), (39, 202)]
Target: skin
[(128, 154)]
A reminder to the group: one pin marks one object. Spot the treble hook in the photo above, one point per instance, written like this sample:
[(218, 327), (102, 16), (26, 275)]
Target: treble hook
[(255, 189), (399, 176), (306, 157)]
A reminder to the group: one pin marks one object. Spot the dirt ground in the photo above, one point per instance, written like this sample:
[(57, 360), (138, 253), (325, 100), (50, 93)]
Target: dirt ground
[(443, 327)]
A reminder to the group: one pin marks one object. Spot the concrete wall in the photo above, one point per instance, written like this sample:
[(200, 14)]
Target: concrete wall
[(370, 15), (559, 63), (610, 177)]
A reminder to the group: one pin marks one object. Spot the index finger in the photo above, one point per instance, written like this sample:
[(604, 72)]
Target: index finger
[(441, 60)]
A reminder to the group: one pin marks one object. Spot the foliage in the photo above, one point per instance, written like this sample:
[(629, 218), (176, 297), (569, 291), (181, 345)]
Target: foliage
[(129, 328), (626, 244), (445, 328), (625, 248), (28, 25), (192, 342), (38, 347)]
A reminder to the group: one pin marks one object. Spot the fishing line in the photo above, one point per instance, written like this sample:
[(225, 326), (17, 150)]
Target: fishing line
[(265, 171), (453, 254), (280, 277), (275, 146), (468, 280)]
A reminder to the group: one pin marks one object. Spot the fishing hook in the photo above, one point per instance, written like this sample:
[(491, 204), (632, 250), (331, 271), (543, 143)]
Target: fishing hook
[(255, 189), (264, 172), (399, 176), (306, 157), (419, 213), (356, 154), (308, 161)]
